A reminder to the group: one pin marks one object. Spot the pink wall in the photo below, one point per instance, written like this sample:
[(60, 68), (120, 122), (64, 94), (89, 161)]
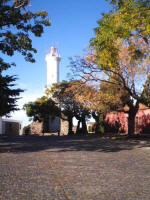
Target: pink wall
[(142, 122)]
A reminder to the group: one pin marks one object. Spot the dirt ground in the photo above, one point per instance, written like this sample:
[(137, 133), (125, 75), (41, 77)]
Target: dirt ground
[(74, 168)]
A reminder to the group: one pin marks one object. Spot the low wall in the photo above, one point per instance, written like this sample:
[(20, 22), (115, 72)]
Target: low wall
[(36, 128), (63, 127)]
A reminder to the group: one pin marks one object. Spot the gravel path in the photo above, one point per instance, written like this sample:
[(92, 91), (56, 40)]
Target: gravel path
[(74, 168)]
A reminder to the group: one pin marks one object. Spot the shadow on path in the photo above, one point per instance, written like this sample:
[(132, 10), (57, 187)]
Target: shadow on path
[(24, 144)]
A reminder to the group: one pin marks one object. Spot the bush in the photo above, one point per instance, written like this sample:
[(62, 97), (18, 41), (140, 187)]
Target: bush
[(79, 132), (26, 130), (70, 133)]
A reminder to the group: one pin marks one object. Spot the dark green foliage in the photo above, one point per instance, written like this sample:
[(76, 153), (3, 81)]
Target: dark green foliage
[(16, 25), (146, 92), (8, 95), (26, 130), (41, 109)]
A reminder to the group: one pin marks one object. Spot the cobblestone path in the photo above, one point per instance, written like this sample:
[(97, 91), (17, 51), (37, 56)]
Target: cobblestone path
[(74, 168)]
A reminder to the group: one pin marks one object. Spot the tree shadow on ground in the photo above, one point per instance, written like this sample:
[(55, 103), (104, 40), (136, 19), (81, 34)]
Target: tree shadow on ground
[(25, 144)]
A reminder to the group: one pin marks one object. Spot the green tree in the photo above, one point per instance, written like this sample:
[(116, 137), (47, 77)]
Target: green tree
[(17, 24), (119, 3), (8, 95), (121, 47), (41, 109)]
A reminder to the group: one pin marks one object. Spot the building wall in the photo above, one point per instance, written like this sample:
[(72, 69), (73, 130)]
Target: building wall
[(52, 60), (54, 124), (59, 126), (52, 70), (12, 128), (115, 119), (142, 121)]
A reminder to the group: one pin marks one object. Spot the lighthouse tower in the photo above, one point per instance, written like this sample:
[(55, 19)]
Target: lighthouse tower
[(52, 60)]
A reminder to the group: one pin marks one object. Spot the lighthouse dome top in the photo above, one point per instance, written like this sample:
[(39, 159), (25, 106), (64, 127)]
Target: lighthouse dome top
[(53, 51)]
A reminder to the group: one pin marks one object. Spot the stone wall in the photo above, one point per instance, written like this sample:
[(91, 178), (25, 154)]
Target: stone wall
[(74, 129), (63, 127), (36, 128)]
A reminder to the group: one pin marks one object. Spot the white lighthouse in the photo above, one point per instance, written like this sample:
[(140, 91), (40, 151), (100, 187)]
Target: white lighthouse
[(52, 60)]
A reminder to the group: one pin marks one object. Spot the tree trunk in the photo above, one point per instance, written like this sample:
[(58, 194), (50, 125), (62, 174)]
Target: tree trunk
[(131, 118), (43, 128), (97, 126), (78, 127), (70, 132), (45, 125), (131, 123), (97, 122), (84, 126)]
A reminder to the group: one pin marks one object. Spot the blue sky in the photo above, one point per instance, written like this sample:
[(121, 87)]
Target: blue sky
[(72, 24)]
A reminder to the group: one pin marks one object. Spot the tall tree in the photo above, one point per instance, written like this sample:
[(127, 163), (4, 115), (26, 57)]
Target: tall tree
[(122, 48), (17, 24), (98, 96), (70, 108), (121, 84), (65, 101), (8, 95)]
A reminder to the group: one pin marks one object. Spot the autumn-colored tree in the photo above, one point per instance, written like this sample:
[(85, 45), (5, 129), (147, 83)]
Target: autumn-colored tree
[(121, 47), (101, 97), (70, 108), (115, 87), (65, 101), (89, 98)]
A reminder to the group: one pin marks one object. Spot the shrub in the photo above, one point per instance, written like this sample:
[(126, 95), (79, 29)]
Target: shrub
[(26, 130)]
